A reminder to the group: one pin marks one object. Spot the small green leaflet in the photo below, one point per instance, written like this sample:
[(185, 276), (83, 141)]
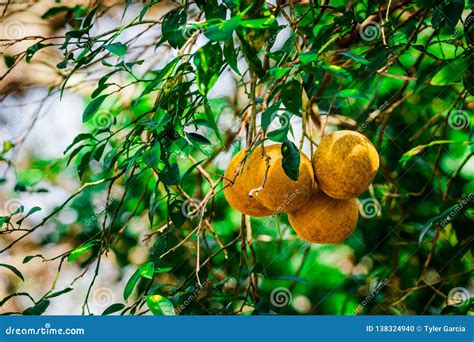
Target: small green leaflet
[(37, 309), (418, 149), (351, 93), (160, 306), (76, 253), (291, 160), (147, 270), (152, 157), (355, 57), (131, 284), (308, 57), (30, 212), (14, 270), (118, 49), (223, 31), (31, 257), (208, 61), (113, 308), (269, 115), (93, 107)]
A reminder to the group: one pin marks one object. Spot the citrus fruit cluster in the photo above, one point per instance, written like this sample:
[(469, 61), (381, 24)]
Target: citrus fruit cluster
[(322, 203)]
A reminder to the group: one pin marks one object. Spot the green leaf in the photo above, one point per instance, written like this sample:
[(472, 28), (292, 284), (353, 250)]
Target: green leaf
[(452, 12), (59, 293), (161, 75), (33, 49), (355, 57), (77, 252), (160, 305), (55, 10), (152, 157), (31, 257), (118, 49), (9, 60), (418, 149), (147, 270), (452, 73), (37, 309), (113, 308), (291, 96), (198, 138), (208, 61), (172, 28), (211, 118), (351, 93), (425, 73), (78, 138), (308, 57), (269, 115), (278, 135), (223, 31), (291, 160), (30, 212), (468, 80), (162, 269), (230, 55), (14, 270), (93, 107), (262, 23), (170, 174), (131, 284), (338, 71), (189, 171)]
